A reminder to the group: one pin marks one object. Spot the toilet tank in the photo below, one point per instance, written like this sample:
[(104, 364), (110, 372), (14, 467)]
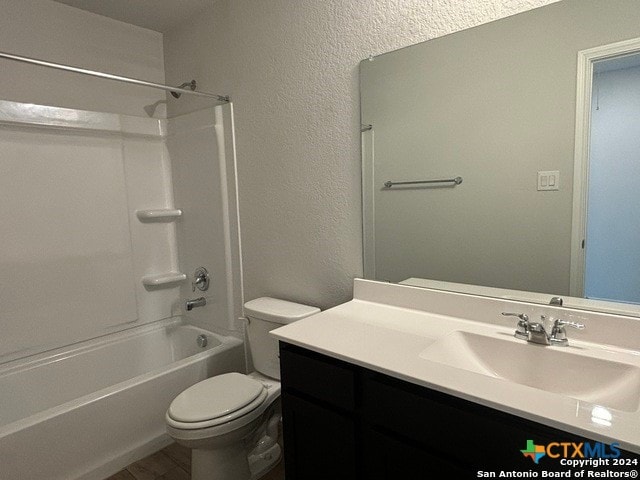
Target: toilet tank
[(263, 315)]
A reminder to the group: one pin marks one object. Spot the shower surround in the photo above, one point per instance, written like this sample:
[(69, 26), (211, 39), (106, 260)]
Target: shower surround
[(91, 360)]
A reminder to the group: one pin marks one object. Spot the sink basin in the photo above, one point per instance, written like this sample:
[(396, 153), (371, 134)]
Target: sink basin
[(604, 382)]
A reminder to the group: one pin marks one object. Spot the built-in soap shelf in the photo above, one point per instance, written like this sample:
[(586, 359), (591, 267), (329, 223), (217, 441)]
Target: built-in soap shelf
[(159, 215), (166, 279), (163, 279)]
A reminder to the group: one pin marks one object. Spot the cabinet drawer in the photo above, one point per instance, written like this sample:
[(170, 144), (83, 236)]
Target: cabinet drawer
[(320, 443), (317, 376), (450, 427)]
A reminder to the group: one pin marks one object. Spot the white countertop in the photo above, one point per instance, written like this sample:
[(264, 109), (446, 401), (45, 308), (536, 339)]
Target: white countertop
[(388, 336)]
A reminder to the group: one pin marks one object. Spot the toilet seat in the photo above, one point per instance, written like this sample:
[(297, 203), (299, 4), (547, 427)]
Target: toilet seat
[(215, 401)]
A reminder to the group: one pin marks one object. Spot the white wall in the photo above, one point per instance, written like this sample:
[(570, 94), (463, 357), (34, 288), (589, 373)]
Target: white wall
[(58, 33), (291, 68)]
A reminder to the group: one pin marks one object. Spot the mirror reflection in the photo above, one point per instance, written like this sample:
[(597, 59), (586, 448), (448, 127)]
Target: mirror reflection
[(504, 159)]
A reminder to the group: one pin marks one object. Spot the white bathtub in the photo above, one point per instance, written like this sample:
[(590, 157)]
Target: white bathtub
[(88, 411)]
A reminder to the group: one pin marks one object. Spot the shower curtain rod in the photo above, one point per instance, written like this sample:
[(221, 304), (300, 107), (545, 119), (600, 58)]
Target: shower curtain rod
[(109, 76)]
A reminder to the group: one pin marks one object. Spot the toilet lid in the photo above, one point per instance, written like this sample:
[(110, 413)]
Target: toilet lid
[(215, 397)]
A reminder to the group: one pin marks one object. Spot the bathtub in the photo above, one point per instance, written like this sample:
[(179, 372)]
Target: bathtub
[(89, 410)]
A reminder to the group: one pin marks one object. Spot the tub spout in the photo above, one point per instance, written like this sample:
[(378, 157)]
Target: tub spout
[(196, 302)]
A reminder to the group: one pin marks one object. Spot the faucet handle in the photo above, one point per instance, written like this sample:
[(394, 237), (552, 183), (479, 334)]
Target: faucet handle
[(558, 332), (565, 323), (522, 332), (522, 316), (200, 280)]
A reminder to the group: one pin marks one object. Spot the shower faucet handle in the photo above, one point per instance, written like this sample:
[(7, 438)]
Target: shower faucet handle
[(200, 280)]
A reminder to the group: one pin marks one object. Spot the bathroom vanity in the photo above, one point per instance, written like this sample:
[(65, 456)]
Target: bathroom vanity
[(401, 382)]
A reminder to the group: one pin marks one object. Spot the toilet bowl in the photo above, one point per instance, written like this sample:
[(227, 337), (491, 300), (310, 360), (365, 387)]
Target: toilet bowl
[(231, 421)]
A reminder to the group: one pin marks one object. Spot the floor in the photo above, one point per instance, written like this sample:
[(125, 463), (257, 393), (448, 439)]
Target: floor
[(172, 463)]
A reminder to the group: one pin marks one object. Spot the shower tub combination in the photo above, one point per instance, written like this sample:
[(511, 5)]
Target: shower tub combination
[(89, 410), (95, 400)]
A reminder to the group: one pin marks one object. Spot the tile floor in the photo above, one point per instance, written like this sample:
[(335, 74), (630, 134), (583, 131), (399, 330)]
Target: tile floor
[(172, 463)]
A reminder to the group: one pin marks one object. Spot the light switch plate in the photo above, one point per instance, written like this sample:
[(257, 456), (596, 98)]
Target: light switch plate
[(549, 180)]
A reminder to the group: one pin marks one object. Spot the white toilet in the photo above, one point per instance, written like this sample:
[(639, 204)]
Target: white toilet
[(231, 421)]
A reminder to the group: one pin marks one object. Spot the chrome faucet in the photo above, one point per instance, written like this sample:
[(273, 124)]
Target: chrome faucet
[(196, 302), (538, 334), (556, 301), (535, 332)]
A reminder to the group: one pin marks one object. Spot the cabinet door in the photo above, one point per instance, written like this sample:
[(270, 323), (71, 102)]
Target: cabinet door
[(388, 457), (318, 443), (326, 380)]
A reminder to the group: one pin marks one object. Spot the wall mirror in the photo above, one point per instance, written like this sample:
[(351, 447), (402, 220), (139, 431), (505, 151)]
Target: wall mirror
[(523, 134)]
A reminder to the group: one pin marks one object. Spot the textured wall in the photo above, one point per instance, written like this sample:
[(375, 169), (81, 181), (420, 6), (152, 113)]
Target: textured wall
[(291, 67)]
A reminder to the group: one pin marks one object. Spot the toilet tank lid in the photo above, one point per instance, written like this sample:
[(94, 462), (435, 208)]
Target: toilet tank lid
[(277, 311)]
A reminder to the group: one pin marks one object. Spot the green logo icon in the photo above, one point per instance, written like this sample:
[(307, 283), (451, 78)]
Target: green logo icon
[(533, 451)]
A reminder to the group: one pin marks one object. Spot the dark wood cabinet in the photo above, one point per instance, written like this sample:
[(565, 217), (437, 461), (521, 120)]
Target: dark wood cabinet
[(320, 443), (342, 421), (318, 409)]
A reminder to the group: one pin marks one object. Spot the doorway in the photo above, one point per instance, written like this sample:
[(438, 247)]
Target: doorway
[(606, 220)]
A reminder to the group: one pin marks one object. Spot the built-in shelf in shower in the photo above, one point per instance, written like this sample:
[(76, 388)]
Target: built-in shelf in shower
[(158, 215), (163, 279)]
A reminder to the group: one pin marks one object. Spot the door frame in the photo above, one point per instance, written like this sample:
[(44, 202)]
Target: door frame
[(586, 59)]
